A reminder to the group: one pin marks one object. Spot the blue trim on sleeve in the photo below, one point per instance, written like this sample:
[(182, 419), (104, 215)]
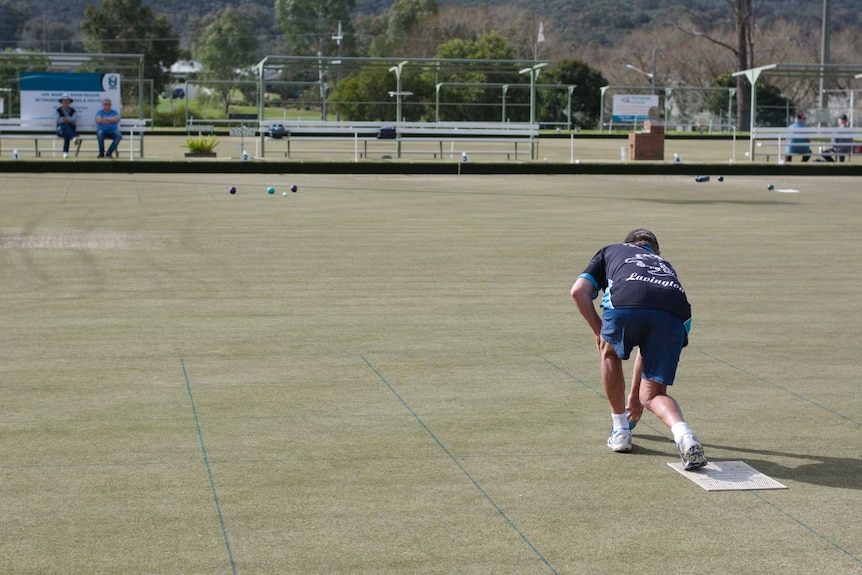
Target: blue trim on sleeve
[(593, 281)]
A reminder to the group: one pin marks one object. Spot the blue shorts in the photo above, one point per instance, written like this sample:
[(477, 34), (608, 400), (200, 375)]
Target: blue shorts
[(659, 334)]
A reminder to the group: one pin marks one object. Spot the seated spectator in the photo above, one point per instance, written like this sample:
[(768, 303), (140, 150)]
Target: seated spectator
[(840, 146), (797, 145), (108, 126), (66, 123)]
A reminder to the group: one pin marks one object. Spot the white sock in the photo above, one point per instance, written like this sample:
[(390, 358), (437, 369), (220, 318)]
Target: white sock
[(679, 429), (620, 421)]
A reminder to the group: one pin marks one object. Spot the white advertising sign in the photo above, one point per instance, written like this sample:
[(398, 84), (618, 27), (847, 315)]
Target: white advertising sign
[(41, 91), (631, 108)]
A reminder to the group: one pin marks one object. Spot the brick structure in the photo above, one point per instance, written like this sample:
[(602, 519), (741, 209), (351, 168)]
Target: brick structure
[(647, 144)]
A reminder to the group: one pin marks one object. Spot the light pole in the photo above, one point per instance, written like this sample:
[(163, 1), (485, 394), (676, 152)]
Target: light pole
[(651, 76), (570, 90), (647, 74), (534, 74), (398, 93)]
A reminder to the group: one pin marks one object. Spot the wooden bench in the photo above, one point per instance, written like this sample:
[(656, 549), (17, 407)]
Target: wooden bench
[(769, 142), (406, 135), (36, 131)]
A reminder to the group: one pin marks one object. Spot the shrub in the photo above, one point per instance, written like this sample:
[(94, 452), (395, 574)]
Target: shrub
[(201, 144)]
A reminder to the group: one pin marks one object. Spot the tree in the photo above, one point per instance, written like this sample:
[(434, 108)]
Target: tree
[(226, 50), (744, 16), (772, 106), (363, 96), (10, 71), (405, 16), (127, 27), (586, 98), (309, 25), (400, 31), (50, 36), (12, 19), (467, 99)]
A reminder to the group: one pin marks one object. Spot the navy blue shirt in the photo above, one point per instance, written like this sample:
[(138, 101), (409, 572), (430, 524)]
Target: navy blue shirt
[(634, 277)]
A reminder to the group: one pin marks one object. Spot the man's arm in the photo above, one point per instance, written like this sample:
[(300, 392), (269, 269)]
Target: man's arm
[(633, 403), (582, 293)]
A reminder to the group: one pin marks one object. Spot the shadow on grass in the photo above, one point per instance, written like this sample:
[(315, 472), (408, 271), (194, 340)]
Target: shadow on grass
[(716, 202), (843, 472)]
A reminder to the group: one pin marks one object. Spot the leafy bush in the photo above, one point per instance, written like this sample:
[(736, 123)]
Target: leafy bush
[(201, 144)]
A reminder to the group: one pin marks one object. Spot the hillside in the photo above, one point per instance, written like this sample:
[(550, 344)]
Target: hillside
[(571, 21)]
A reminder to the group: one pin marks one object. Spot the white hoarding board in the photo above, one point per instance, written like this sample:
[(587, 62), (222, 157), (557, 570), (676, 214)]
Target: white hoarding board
[(631, 108), (41, 91)]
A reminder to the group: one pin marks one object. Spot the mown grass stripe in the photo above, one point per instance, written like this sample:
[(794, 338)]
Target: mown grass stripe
[(784, 389), (209, 469), (458, 464), (806, 526)]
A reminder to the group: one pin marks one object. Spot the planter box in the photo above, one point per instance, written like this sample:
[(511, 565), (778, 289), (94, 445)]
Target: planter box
[(200, 154)]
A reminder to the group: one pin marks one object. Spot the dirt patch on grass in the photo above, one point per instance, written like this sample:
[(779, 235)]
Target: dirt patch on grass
[(69, 239)]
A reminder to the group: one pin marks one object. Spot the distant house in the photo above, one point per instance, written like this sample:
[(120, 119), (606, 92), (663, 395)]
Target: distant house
[(180, 72), (183, 70)]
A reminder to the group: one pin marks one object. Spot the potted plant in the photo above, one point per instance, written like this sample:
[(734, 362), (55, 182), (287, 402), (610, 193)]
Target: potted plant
[(201, 147)]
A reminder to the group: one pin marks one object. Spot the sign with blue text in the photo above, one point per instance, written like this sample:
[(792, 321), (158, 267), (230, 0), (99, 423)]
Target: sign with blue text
[(633, 108), (41, 91)]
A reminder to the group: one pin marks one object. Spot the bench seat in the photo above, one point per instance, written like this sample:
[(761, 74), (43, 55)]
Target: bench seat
[(406, 134), (768, 142), (16, 129)]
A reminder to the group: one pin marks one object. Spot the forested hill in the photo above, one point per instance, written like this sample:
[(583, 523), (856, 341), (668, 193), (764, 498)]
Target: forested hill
[(572, 21)]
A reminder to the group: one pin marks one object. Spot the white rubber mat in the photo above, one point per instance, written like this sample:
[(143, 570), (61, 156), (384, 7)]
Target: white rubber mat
[(729, 476)]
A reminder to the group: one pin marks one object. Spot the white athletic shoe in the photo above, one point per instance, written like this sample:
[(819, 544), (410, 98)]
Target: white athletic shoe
[(620, 441), (691, 452), (65, 154)]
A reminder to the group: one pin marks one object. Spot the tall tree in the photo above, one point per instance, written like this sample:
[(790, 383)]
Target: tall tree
[(744, 16), (226, 48), (405, 16), (128, 27), (309, 25)]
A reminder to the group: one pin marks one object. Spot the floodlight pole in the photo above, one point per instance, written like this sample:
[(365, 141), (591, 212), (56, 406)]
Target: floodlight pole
[(534, 74), (398, 112), (602, 91), (505, 93), (397, 69), (647, 74), (652, 76), (824, 56), (261, 107)]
